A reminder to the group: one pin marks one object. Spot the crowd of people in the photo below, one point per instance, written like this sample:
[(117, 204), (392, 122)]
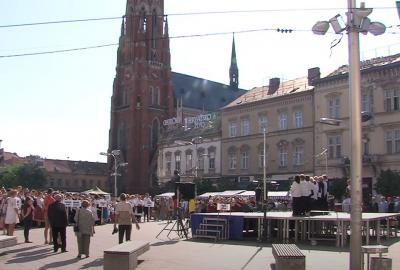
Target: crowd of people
[(27, 208)]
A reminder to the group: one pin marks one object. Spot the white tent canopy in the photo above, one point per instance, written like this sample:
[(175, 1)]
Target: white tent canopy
[(231, 192), (208, 194), (167, 194)]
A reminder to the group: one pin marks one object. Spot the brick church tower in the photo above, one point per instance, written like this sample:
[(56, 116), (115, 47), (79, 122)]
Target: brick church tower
[(142, 93)]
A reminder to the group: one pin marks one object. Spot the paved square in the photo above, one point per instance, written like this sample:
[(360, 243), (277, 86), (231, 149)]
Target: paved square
[(169, 254)]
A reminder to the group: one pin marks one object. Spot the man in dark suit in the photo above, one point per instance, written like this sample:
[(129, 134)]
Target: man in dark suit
[(58, 220)]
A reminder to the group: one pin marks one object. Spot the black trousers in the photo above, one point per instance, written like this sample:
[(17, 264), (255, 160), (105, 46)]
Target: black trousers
[(62, 232), (296, 206), (27, 227), (124, 229)]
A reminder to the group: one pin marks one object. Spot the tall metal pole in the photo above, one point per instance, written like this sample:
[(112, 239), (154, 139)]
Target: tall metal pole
[(326, 162), (264, 167), (115, 176), (355, 139)]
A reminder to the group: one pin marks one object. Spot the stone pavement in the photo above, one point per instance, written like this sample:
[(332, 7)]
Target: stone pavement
[(169, 254)]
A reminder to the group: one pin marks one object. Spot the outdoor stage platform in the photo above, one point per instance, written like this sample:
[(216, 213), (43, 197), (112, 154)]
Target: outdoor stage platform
[(285, 227)]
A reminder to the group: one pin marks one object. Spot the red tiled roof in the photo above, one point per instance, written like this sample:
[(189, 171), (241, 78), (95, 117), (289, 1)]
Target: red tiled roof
[(261, 93), (370, 63)]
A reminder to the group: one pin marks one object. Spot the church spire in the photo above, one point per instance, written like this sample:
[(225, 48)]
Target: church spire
[(233, 70)]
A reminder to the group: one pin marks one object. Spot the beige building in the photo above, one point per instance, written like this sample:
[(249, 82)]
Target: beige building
[(285, 111), (380, 80), (193, 150), (66, 175)]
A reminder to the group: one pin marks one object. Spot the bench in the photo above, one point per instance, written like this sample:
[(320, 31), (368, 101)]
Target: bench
[(288, 257), (7, 241), (124, 256)]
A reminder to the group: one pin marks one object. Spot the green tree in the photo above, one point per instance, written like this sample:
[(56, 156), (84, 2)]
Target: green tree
[(388, 183), (338, 188), (26, 175), (204, 185)]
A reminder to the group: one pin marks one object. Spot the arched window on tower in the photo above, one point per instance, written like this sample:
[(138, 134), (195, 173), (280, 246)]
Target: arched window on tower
[(155, 129), (154, 29), (156, 98), (143, 21), (122, 137), (151, 95)]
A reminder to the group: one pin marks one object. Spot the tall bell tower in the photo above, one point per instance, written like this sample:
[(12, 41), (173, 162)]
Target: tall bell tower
[(142, 93)]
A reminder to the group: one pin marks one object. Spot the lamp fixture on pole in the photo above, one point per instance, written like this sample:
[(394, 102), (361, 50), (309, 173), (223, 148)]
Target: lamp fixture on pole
[(357, 22), (115, 154)]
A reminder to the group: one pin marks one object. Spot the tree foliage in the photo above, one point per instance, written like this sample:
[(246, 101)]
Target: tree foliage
[(338, 188), (388, 183), (26, 175)]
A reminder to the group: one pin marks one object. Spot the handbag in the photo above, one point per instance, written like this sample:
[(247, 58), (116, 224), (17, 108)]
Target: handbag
[(76, 227)]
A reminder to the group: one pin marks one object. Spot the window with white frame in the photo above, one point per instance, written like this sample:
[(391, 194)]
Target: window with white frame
[(232, 129), (200, 159), (298, 119), (262, 123), (334, 107), (298, 155), (245, 126), (178, 161), (189, 161), (334, 146), (365, 102), (168, 163), (211, 160), (232, 159), (244, 159), (393, 141), (283, 120), (283, 156), (392, 100)]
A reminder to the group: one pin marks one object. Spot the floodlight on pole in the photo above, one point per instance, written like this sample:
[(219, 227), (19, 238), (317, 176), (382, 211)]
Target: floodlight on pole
[(357, 22), (114, 153), (330, 121)]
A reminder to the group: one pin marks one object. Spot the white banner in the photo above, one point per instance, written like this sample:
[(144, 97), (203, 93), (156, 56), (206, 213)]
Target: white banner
[(223, 207)]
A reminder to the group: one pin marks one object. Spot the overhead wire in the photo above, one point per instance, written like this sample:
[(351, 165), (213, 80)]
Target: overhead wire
[(182, 14), (279, 30)]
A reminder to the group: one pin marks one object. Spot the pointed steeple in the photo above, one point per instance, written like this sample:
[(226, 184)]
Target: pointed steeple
[(166, 34), (233, 70)]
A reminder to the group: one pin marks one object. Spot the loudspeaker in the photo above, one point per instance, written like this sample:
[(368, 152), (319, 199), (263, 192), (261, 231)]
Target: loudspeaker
[(185, 191)]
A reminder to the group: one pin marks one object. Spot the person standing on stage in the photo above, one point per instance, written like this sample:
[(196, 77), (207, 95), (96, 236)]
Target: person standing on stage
[(295, 191), (305, 195), (124, 217), (314, 197), (325, 194), (58, 219)]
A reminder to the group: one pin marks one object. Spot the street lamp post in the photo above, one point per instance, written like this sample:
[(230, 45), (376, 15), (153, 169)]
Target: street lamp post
[(264, 205), (357, 22), (114, 154)]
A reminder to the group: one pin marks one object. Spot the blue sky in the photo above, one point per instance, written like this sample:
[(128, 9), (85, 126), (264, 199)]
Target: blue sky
[(58, 105)]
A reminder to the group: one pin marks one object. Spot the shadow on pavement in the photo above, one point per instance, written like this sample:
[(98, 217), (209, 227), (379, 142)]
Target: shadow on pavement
[(59, 264), (34, 252), (32, 258), (12, 250), (251, 258), (95, 263), (163, 243)]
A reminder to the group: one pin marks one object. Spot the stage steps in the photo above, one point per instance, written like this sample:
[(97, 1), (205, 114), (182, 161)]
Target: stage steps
[(213, 228)]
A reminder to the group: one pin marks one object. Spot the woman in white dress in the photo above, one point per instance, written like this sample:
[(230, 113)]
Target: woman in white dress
[(11, 213)]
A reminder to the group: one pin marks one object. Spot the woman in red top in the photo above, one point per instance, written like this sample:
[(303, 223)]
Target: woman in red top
[(48, 199)]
